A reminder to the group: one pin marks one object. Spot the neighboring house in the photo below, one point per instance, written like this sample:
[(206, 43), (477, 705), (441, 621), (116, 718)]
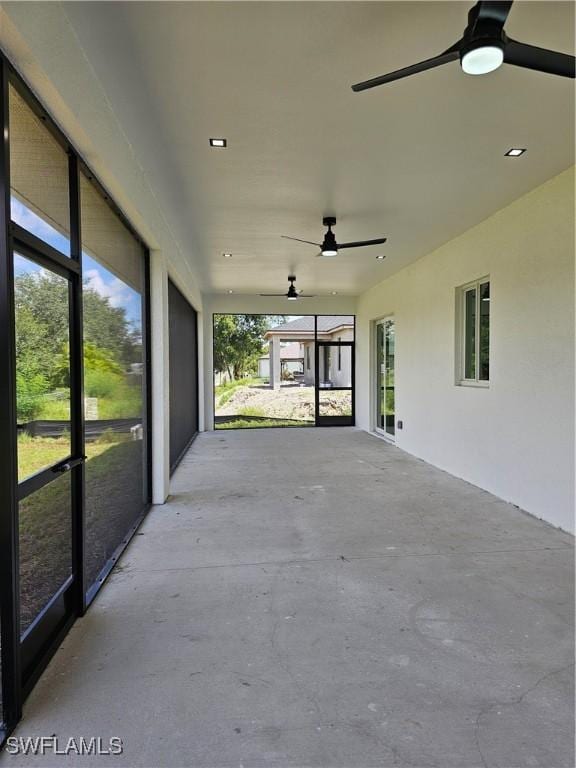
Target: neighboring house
[(334, 363), (291, 360)]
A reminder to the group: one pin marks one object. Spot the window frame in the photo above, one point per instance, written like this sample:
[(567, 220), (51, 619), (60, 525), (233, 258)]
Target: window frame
[(460, 374)]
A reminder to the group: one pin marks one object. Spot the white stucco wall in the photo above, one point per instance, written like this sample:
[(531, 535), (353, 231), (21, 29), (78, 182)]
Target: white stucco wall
[(516, 437)]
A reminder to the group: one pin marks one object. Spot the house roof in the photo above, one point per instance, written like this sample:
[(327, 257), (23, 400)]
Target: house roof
[(326, 323)]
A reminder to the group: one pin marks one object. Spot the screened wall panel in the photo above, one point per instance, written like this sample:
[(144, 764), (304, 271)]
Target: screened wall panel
[(39, 199), (114, 377), (183, 373), (74, 284)]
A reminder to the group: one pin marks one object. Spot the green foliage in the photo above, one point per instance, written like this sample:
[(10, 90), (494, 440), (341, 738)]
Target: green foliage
[(238, 342), (99, 359), (126, 403), (56, 409), (250, 410), (111, 345), (107, 328), (240, 423), (101, 383), (31, 387)]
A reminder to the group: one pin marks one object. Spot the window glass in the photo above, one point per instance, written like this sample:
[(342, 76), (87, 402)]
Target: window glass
[(470, 334), (113, 272), (42, 366), (38, 177), (389, 358), (484, 330)]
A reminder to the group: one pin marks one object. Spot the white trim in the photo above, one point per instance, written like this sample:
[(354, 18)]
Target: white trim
[(460, 317), (159, 328), (376, 403)]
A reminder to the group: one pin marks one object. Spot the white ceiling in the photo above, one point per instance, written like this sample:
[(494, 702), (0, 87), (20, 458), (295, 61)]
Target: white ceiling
[(418, 161)]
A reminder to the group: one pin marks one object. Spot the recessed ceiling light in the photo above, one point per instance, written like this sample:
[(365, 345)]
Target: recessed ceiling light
[(379, 258), (334, 293), (514, 152), (227, 255), (218, 143), (230, 291)]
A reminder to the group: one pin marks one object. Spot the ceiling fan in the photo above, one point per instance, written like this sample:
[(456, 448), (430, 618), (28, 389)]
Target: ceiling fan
[(484, 47), (329, 246), (292, 294)]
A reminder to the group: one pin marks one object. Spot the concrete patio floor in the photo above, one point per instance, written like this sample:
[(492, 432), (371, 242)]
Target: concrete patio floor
[(320, 598)]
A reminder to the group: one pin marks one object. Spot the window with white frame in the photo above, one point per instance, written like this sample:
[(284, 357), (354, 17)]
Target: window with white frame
[(473, 317)]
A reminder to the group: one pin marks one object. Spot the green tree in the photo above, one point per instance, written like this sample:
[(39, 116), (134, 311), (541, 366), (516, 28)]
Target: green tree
[(42, 340), (238, 342)]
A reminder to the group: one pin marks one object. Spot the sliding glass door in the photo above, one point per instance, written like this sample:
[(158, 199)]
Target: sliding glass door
[(385, 387)]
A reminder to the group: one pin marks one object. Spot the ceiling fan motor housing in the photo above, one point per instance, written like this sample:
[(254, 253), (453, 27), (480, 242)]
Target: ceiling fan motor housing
[(483, 33), (329, 245)]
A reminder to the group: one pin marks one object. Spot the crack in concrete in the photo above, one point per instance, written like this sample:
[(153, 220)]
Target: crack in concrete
[(518, 700), (379, 556)]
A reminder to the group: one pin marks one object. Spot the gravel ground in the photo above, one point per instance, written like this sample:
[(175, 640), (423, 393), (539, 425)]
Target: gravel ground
[(289, 402)]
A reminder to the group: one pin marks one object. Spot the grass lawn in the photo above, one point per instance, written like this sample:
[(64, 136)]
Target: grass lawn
[(36, 453), (240, 423), (114, 500)]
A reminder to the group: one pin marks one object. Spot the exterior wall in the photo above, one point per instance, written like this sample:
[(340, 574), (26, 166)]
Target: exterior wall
[(339, 378), (308, 355), (516, 437)]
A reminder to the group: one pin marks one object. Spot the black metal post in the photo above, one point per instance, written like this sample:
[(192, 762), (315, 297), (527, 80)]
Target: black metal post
[(316, 373), (147, 350), (9, 577), (77, 388)]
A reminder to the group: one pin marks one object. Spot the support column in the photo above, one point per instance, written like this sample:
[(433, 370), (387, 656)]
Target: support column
[(275, 372), (160, 379)]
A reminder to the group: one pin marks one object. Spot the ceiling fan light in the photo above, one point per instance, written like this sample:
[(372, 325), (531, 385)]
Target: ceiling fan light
[(329, 252), (482, 59), (291, 298)]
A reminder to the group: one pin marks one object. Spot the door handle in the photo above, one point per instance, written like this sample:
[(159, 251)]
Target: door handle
[(66, 466)]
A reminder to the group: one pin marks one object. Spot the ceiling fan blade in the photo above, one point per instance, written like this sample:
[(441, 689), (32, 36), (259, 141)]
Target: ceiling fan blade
[(493, 11), (298, 240), (306, 295), (444, 58), (272, 294), (361, 243), (540, 59)]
